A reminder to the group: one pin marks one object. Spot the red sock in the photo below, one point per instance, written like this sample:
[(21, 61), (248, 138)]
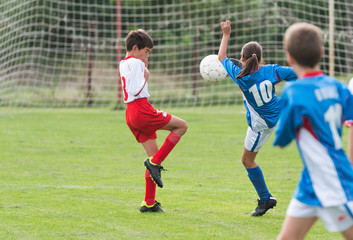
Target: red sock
[(168, 145), (150, 189)]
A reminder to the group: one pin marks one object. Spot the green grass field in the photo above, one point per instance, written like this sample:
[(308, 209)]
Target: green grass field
[(79, 174)]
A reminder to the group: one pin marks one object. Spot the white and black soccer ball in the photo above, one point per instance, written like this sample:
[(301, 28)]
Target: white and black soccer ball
[(211, 69), (350, 85)]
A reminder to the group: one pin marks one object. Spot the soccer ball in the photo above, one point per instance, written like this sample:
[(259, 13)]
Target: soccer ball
[(211, 69), (350, 85)]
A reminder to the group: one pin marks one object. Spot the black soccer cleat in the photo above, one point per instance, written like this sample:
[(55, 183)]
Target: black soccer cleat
[(154, 208), (155, 171), (263, 207)]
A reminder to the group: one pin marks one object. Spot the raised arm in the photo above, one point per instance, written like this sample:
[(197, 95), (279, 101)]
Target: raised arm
[(226, 29)]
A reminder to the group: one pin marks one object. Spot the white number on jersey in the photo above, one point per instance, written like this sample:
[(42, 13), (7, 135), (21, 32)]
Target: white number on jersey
[(266, 92), (333, 117)]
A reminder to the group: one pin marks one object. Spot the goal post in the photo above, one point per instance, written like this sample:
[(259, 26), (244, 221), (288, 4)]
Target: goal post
[(118, 49), (66, 53)]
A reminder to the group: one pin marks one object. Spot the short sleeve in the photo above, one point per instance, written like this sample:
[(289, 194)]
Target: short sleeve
[(232, 69), (290, 119), (285, 73)]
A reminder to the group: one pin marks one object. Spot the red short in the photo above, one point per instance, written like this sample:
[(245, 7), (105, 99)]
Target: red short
[(143, 120)]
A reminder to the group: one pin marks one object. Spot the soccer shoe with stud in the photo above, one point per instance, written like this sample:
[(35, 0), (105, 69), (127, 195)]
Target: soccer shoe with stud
[(263, 207), (154, 208), (155, 171)]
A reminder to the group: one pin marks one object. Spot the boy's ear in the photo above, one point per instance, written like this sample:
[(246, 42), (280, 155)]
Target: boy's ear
[(290, 59), (135, 47), (322, 52)]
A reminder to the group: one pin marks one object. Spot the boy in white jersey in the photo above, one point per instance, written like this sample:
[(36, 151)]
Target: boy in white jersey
[(142, 119), (257, 83), (313, 110)]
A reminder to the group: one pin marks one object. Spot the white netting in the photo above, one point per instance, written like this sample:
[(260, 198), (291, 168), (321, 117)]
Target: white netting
[(64, 53)]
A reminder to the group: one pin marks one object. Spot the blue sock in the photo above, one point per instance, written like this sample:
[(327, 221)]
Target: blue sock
[(257, 178)]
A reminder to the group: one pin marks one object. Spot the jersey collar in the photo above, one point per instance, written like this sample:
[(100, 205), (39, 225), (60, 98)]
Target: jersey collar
[(313, 74), (127, 58)]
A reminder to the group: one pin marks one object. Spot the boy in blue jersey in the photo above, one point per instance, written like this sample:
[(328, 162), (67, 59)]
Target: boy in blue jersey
[(313, 110), (257, 82)]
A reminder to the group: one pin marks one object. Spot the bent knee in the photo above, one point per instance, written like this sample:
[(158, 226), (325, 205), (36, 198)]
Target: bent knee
[(245, 163), (183, 128), (248, 163)]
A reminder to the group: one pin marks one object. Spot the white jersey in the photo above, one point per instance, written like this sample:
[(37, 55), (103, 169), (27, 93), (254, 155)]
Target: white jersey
[(132, 77)]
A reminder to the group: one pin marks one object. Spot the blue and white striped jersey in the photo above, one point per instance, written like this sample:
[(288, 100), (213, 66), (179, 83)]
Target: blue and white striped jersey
[(261, 102), (313, 110)]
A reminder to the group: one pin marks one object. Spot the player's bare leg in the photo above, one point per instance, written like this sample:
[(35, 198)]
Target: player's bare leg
[(348, 234), (248, 159), (176, 125), (150, 147), (295, 228)]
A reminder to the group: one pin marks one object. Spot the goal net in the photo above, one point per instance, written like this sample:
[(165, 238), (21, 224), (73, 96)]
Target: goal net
[(65, 53)]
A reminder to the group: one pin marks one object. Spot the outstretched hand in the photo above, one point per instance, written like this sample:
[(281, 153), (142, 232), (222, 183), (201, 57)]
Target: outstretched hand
[(226, 29)]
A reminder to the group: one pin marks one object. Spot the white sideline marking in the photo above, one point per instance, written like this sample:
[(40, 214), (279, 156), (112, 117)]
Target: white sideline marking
[(61, 186), (203, 188)]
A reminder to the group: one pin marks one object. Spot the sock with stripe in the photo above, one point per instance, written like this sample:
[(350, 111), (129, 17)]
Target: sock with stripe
[(257, 178)]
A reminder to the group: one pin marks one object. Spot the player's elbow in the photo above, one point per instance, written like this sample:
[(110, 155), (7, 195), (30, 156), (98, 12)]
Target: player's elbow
[(221, 57)]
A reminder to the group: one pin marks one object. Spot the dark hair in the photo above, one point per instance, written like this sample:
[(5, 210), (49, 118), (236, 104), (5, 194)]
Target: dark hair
[(251, 53), (304, 43), (140, 38)]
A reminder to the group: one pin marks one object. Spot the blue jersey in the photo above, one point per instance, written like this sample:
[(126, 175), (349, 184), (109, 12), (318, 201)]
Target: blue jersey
[(313, 110), (260, 100)]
